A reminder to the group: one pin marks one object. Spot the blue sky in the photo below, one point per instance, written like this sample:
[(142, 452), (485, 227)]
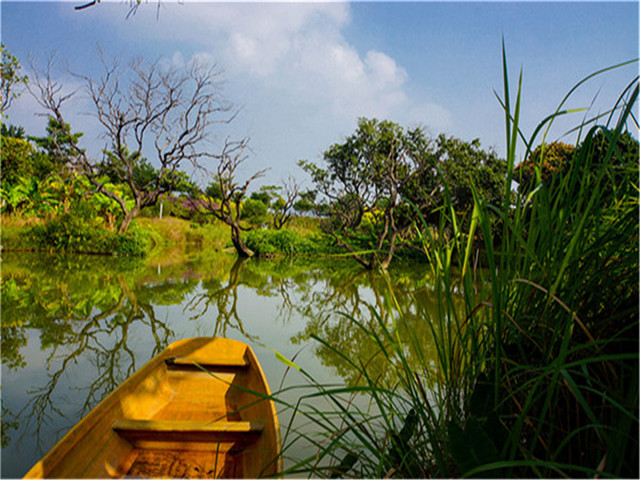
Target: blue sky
[(303, 73)]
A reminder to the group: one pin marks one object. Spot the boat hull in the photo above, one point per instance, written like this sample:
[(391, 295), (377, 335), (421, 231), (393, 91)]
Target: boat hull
[(199, 409)]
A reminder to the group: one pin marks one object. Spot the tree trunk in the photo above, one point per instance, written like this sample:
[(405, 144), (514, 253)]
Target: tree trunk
[(236, 270), (386, 260), (384, 264), (241, 248), (128, 218)]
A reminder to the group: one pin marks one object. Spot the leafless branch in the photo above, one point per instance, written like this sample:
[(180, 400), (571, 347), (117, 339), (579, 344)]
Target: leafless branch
[(144, 107), (282, 212)]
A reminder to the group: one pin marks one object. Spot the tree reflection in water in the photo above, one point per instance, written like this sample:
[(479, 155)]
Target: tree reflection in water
[(80, 314), (97, 319), (225, 299), (402, 302)]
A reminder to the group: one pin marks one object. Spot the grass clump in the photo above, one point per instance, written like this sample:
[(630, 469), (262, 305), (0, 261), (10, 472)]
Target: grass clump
[(67, 233), (267, 243), (537, 371)]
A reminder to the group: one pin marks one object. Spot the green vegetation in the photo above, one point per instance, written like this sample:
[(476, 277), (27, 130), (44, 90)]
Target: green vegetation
[(537, 372), (266, 243), (10, 79), (376, 181), (362, 200)]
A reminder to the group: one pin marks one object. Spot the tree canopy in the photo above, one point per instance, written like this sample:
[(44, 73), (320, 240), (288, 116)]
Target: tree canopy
[(362, 186), (549, 163), (10, 79), (372, 186)]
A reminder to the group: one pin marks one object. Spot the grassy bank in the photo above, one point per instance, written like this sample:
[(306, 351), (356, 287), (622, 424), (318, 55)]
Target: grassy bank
[(171, 231), (67, 235), (146, 236)]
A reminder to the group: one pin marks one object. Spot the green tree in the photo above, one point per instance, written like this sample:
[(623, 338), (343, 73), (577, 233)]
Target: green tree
[(465, 167), (254, 212), (16, 154), (11, 79), (542, 164), (53, 151), (306, 202), (12, 131), (363, 187), (214, 190), (144, 174), (549, 163), (279, 200), (618, 152), (22, 164), (59, 143), (265, 194)]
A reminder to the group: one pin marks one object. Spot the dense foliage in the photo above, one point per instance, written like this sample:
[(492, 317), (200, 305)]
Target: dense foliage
[(537, 371), (374, 182), (10, 79), (266, 243), (542, 164)]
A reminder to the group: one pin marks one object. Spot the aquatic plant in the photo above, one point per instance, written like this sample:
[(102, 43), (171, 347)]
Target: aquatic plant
[(537, 375)]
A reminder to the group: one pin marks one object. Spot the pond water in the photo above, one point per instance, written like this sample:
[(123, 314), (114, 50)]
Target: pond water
[(74, 327)]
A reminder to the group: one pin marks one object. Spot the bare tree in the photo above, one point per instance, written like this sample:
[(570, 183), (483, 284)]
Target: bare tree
[(283, 205), (165, 111), (225, 300), (134, 5), (228, 207)]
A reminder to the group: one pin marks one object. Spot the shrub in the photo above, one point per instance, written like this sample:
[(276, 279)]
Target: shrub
[(67, 233), (286, 242)]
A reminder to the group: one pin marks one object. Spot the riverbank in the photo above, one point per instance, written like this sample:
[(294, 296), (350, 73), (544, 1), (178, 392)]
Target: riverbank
[(33, 234), (149, 235)]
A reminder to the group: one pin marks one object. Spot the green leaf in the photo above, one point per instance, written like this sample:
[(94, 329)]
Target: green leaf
[(482, 402), (284, 359), (345, 465), (471, 447)]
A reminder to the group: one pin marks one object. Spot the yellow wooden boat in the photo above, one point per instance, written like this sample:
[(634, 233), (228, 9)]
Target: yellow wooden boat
[(190, 412)]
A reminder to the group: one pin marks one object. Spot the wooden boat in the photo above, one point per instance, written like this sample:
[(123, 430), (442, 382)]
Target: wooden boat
[(190, 412)]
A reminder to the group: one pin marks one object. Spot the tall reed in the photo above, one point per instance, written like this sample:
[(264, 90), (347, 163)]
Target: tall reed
[(537, 372)]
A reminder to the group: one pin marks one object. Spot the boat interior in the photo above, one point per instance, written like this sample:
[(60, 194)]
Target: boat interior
[(192, 413)]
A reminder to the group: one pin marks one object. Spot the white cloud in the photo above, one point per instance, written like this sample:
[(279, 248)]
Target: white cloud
[(300, 81), (298, 50), (292, 53), (256, 38), (383, 70)]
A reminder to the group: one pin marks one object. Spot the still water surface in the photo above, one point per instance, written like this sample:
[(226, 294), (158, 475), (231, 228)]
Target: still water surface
[(74, 327)]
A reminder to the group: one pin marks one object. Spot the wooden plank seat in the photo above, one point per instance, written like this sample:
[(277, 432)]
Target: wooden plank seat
[(187, 434), (199, 409), (193, 362)]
